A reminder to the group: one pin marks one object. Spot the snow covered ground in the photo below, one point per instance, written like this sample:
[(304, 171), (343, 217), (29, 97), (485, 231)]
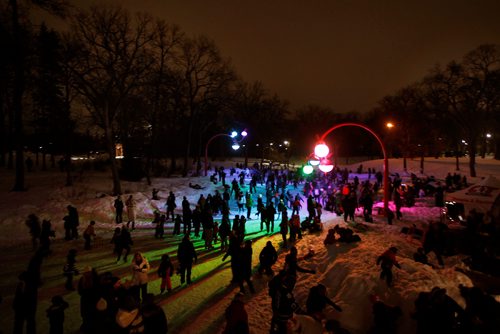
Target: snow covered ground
[(348, 270)]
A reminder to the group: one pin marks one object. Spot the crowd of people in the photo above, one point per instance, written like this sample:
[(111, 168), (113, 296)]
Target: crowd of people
[(109, 304)]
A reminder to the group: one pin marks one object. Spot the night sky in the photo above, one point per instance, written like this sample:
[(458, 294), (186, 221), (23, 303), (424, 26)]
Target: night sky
[(338, 53)]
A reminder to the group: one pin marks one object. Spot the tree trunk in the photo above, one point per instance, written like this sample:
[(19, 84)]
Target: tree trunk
[(110, 144), (17, 98), (472, 158), (3, 132), (188, 146), (497, 146), (44, 160), (457, 157)]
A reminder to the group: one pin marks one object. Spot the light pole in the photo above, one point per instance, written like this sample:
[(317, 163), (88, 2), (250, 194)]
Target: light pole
[(235, 145), (321, 151)]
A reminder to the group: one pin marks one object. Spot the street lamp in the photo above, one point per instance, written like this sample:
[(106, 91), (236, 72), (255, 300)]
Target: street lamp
[(235, 146), (322, 150)]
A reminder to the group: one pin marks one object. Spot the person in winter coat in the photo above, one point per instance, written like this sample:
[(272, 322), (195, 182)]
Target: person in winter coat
[(165, 271), (196, 220), (88, 289), (267, 258), (118, 204), (177, 225), (386, 261), (74, 221), (270, 212), (140, 268), (236, 317), (398, 202), (224, 231), (246, 266), (46, 233), (70, 269), (123, 242), (131, 204), (171, 205), (234, 250), (292, 265), (25, 304), (35, 228), (186, 255), (129, 317), (88, 234), (317, 301), (284, 227), (248, 205), (282, 301), (154, 318), (55, 313)]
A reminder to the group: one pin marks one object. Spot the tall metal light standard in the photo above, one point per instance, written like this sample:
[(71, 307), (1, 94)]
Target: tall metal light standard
[(235, 146), (322, 150)]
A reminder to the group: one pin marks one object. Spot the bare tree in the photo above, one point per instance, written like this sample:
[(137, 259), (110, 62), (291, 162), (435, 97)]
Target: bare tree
[(112, 63), (206, 78), (470, 93), (56, 7)]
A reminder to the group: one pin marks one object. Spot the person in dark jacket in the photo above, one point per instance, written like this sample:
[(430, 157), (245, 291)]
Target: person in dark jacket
[(25, 304), (46, 233), (317, 301), (246, 266), (88, 289), (33, 223), (224, 231), (154, 318), (267, 258), (282, 301), (123, 242), (165, 271), (234, 250), (55, 313), (186, 254), (118, 204), (70, 269), (292, 266), (74, 221), (386, 261), (171, 205), (236, 317)]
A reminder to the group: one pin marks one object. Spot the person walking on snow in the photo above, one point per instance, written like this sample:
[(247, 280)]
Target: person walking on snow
[(165, 271), (386, 261), (119, 209), (186, 255), (88, 234), (140, 268)]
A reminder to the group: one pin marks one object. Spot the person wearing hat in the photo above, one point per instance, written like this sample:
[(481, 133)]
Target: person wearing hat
[(386, 261)]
